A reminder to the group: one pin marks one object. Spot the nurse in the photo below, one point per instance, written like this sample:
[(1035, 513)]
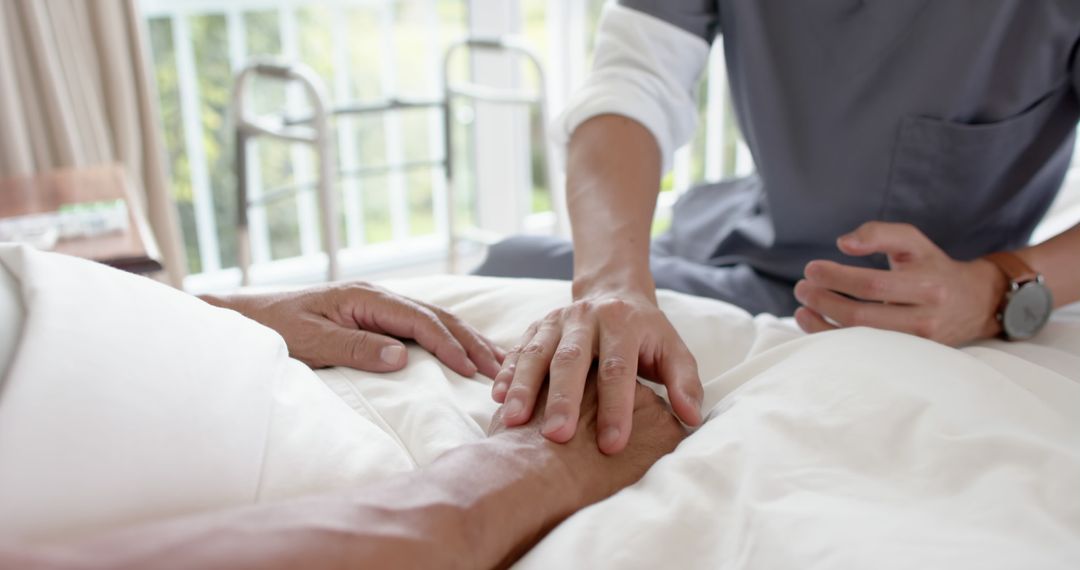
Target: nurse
[(905, 153)]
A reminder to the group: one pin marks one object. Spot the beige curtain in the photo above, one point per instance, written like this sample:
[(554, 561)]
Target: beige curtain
[(76, 90)]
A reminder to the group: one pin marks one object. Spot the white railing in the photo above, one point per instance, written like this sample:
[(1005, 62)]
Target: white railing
[(209, 240), (502, 155)]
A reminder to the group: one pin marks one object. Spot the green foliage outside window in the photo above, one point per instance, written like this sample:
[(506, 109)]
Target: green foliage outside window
[(410, 58), (378, 67)]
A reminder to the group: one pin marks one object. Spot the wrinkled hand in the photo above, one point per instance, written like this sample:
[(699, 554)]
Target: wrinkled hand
[(656, 433), (358, 325), (926, 293), (629, 336)]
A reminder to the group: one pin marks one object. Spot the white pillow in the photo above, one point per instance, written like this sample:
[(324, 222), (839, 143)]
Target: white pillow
[(12, 315), (128, 401)]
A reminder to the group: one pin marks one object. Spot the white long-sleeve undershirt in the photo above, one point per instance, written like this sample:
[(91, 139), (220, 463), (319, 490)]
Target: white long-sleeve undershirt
[(645, 69)]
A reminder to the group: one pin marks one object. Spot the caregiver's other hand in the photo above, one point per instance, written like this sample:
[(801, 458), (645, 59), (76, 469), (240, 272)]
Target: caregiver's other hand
[(629, 336), (358, 325), (926, 292)]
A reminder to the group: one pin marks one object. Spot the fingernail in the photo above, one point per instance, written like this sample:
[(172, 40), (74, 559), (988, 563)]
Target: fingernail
[(850, 240), (799, 292), (553, 424), (498, 391), (470, 369), (609, 437), (504, 376), (392, 354), (697, 408), (513, 409), (696, 401)]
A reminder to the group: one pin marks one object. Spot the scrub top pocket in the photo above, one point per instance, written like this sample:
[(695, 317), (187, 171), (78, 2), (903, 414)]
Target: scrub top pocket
[(955, 180)]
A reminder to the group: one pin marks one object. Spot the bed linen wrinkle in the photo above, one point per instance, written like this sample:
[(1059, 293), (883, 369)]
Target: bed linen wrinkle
[(356, 400), (260, 482)]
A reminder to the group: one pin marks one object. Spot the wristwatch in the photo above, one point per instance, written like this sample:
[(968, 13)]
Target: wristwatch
[(1027, 304)]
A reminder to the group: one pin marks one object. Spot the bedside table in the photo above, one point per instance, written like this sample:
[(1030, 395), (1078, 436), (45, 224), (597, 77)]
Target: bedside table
[(133, 249)]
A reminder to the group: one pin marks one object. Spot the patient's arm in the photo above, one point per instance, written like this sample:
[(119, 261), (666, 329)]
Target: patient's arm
[(359, 324), (479, 506)]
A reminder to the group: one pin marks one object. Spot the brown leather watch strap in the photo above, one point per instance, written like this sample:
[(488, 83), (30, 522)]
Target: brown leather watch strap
[(1013, 267)]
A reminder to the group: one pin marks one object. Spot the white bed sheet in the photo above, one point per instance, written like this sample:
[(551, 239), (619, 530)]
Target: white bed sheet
[(854, 449)]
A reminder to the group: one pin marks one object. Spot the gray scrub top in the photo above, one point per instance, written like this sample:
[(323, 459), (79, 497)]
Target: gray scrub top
[(957, 116)]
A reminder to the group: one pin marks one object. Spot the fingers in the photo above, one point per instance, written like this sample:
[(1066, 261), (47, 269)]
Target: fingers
[(403, 318), (500, 354), (565, 344), (362, 350), (616, 383), (373, 309), (678, 368), (902, 242), (872, 284), (481, 352), (501, 385), (811, 322), (569, 370), (531, 371), (850, 313)]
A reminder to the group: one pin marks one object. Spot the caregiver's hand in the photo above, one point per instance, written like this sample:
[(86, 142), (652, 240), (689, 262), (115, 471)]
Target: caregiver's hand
[(594, 475), (926, 293), (358, 325), (629, 335)]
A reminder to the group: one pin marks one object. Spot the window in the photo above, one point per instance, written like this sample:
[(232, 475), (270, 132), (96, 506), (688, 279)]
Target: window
[(366, 51)]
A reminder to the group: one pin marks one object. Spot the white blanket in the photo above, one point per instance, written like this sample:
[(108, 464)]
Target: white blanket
[(854, 449)]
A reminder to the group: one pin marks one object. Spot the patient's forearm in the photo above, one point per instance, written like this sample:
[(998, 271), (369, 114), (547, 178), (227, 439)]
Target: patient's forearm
[(475, 507), (613, 179), (1058, 260)]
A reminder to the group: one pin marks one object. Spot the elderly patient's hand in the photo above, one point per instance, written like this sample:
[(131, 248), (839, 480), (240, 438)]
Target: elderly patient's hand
[(355, 325), (597, 476)]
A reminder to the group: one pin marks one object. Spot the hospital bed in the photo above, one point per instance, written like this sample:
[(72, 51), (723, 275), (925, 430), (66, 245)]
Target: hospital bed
[(128, 401)]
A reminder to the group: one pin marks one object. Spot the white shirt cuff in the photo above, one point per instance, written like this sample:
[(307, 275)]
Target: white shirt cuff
[(645, 69)]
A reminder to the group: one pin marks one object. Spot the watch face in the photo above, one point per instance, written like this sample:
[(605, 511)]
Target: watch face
[(1027, 311)]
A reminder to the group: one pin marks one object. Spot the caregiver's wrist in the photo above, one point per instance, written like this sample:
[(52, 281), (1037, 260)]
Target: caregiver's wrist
[(620, 282), (989, 286), (1062, 279)]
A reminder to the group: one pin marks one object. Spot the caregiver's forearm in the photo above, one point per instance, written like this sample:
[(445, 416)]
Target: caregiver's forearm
[(1058, 260), (476, 507), (613, 179)]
